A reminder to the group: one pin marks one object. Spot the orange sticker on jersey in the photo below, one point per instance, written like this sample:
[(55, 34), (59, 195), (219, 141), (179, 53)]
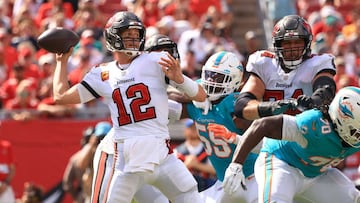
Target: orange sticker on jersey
[(104, 75)]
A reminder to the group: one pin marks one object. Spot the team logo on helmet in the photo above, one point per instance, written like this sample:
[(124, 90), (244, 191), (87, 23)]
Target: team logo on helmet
[(345, 108), (275, 30)]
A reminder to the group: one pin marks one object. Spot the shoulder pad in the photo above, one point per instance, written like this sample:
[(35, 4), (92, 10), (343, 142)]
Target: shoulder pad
[(320, 62), (259, 58)]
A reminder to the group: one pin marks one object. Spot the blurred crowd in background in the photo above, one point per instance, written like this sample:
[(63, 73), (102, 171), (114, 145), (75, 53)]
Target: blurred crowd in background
[(199, 27)]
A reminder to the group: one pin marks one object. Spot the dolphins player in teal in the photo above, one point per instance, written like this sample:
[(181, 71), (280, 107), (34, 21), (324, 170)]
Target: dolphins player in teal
[(221, 77), (298, 160)]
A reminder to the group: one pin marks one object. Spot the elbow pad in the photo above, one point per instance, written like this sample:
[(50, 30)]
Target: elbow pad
[(240, 103)]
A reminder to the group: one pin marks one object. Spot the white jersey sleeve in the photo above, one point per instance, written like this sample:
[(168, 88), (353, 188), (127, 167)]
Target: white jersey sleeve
[(85, 95), (290, 131)]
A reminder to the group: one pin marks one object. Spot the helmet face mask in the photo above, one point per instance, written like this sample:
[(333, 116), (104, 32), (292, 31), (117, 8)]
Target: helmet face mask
[(116, 26), (344, 112), (221, 75), (292, 29), (291, 52)]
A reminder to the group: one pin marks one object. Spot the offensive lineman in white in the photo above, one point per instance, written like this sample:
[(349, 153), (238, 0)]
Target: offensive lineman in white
[(134, 87)]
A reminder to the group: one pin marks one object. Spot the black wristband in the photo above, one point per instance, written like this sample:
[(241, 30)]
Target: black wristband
[(264, 109), (241, 101)]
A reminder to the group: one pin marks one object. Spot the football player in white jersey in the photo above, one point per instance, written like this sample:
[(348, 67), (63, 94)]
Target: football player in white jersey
[(104, 154), (291, 71), (134, 87)]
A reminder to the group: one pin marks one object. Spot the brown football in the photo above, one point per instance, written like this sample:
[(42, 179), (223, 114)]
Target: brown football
[(58, 40)]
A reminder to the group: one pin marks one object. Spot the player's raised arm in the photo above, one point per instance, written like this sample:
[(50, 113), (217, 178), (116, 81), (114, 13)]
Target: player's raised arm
[(172, 70), (61, 41), (63, 94)]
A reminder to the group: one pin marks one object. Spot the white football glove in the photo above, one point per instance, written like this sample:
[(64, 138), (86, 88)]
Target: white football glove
[(234, 177), (205, 105)]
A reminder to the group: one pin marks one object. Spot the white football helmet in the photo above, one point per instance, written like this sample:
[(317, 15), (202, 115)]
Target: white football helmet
[(344, 111), (221, 75)]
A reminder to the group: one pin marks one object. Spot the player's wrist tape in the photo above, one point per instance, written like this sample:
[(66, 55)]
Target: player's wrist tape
[(189, 87)]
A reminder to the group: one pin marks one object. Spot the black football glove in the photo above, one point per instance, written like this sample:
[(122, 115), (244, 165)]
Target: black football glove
[(305, 102), (276, 107), (321, 98)]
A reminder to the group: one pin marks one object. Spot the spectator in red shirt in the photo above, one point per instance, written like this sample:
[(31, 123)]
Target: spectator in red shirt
[(52, 7), (3, 66), (47, 64), (7, 172), (88, 16), (10, 53), (149, 12), (8, 88), (200, 7), (76, 75), (341, 78), (27, 59), (25, 97)]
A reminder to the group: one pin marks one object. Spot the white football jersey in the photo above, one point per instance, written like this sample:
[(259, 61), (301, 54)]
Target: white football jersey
[(280, 85), (136, 95)]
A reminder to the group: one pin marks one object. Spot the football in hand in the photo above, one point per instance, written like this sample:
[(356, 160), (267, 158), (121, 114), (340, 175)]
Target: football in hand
[(58, 40)]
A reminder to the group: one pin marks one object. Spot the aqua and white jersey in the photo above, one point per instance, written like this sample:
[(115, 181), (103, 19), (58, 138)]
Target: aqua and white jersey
[(219, 151), (324, 147), (280, 85), (136, 95)]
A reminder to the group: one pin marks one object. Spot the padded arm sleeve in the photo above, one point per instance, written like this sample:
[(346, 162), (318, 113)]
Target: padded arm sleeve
[(240, 103)]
